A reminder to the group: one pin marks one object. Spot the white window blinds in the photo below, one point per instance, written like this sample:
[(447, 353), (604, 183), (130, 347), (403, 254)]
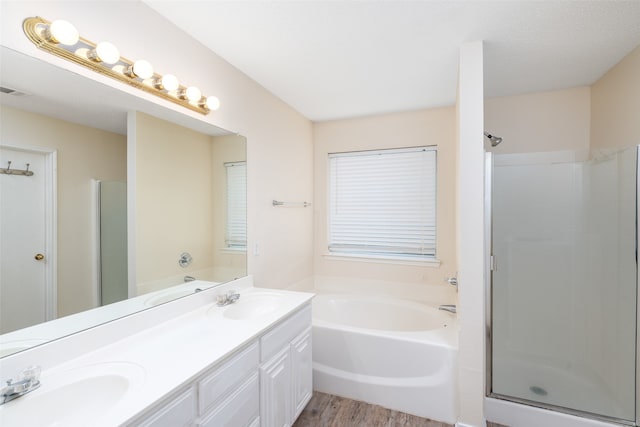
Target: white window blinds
[(236, 232), (383, 203)]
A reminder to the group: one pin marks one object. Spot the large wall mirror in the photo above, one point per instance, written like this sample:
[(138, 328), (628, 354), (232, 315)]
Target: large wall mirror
[(130, 205)]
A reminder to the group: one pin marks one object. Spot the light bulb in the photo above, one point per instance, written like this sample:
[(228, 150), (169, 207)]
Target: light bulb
[(140, 68), (62, 32), (105, 52), (212, 103), (191, 93), (168, 82)]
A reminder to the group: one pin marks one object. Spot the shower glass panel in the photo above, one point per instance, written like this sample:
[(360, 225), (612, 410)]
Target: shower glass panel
[(563, 302), (113, 241)]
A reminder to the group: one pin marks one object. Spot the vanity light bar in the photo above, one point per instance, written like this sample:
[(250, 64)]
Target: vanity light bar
[(61, 38)]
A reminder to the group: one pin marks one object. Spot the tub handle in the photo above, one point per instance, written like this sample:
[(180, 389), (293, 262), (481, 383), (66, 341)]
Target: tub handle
[(451, 308), (452, 281)]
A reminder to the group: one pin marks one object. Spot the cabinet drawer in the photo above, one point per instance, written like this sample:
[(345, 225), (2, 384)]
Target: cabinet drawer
[(241, 409), (177, 412), (227, 377), (273, 341)]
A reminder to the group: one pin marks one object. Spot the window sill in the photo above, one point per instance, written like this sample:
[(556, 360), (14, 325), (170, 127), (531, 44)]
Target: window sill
[(233, 250), (384, 260)]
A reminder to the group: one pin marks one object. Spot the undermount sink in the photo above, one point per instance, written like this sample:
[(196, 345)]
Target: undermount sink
[(253, 305), (77, 397)]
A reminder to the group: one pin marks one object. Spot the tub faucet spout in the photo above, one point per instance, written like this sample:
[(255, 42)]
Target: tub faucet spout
[(451, 308)]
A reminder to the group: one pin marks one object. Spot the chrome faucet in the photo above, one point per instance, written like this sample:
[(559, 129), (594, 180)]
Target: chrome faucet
[(28, 380), (226, 299), (451, 308)]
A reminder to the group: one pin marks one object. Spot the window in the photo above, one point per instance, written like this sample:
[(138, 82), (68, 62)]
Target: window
[(236, 233), (383, 203)]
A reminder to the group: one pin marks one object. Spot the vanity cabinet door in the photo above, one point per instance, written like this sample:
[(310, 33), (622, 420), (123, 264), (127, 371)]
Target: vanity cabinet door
[(281, 335), (177, 412), (275, 391), (301, 372)]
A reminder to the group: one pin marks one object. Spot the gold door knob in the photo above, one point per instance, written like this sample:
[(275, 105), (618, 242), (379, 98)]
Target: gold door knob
[(39, 257)]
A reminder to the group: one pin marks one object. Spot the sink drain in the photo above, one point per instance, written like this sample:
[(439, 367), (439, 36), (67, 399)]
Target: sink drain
[(538, 390)]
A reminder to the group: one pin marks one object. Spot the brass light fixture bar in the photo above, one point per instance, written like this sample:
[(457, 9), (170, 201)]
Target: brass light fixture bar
[(60, 38)]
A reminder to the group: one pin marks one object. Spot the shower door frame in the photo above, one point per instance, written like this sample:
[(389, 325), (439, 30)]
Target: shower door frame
[(491, 266), (637, 288)]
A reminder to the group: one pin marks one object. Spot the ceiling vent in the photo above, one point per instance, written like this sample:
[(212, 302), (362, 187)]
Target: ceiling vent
[(12, 92)]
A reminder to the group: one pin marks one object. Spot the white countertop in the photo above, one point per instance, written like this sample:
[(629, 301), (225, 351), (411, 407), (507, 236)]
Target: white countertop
[(161, 358)]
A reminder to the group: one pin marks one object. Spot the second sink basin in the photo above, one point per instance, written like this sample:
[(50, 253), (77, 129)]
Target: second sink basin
[(252, 305)]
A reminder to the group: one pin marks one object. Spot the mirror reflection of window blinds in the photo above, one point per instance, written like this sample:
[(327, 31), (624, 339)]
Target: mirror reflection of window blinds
[(383, 202), (236, 229)]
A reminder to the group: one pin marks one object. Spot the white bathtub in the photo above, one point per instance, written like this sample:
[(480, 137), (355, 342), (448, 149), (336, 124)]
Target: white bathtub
[(394, 353)]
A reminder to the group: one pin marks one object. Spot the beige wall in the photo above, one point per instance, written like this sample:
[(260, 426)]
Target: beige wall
[(83, 154), (226, 264), (615, 105), (603, 115), (174, 204), (536, 122), (426, 127)]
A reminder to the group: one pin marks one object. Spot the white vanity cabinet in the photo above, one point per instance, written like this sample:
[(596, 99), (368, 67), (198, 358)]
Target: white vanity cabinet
[(267, 383), (286, 370), (228, 395), (302, 371), (178, 411)]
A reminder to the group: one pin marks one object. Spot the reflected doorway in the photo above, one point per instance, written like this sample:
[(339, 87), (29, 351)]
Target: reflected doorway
[(27, 237)]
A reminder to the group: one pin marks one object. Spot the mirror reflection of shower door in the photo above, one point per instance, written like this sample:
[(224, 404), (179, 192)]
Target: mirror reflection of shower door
[(112, 196), (564, 290)]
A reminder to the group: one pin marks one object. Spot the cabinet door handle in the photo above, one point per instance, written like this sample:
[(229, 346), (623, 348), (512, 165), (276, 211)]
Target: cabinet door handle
[(39, 257)]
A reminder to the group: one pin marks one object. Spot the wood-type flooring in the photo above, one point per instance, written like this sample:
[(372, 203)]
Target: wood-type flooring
[(326, 410)]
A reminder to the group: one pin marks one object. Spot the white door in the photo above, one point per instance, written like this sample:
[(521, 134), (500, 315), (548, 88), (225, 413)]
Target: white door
[(26, 297)]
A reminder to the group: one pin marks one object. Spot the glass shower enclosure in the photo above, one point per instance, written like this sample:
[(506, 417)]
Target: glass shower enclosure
[(564, 281)]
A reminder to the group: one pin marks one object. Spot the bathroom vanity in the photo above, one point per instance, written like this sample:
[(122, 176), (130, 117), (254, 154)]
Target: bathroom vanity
[(189, 362)]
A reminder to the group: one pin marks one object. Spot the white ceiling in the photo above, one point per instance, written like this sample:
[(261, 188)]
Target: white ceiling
[(338, 59)]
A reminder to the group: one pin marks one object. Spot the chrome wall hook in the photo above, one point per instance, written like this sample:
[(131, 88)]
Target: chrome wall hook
[(17, 172)]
